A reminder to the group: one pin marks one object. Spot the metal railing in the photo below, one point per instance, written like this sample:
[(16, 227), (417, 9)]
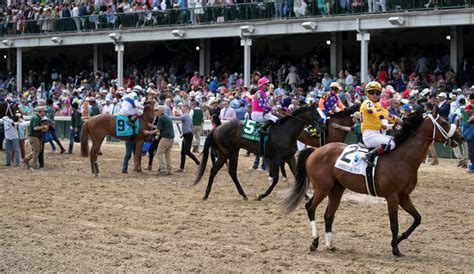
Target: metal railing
[(217, 14)]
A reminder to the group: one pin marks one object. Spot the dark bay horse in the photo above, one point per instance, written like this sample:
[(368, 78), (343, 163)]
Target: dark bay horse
[(331, 134), (281, 147), (98, 127), (395, 177)]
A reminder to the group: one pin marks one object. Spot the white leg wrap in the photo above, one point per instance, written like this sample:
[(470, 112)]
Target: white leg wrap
[(328, 236), (314, 229)]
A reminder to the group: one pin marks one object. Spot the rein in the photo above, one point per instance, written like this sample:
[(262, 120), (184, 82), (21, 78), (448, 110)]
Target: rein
[(8, 109), (298, 118)]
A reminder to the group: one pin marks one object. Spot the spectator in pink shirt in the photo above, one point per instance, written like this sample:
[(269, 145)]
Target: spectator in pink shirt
[(196, 81)]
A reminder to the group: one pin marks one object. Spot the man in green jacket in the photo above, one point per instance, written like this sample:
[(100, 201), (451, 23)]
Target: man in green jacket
[(35, 131), (198, 120)]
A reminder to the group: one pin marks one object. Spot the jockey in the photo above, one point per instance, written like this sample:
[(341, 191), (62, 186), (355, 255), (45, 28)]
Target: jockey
[(330, 103), (260, 108), (372, 114), (131, 105)]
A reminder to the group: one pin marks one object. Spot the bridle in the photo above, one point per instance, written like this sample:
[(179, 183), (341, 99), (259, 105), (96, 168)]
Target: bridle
[(306, 121), (436, 126), (8, 110)]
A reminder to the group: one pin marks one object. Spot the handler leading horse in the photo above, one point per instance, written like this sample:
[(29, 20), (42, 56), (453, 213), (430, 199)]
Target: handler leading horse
[(102, 125), (395, 177)]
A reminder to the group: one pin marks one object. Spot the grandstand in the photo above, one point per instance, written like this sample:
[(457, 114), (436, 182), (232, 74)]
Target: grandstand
[(346, 33)]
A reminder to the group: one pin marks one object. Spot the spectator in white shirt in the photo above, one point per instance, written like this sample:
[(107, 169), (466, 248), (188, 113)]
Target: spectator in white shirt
[(115, 107), (108, 107), (349, 81), (227, 113), (12, 140)]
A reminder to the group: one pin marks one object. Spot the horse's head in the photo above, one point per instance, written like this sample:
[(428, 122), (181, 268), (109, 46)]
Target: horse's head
[(442, 131), (431, 127), (9, 109), (309, 114)]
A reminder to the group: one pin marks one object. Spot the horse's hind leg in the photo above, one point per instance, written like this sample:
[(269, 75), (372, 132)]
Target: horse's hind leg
[(275, 172), (333, 203), (221, 160), (407, 205), (233, 162), (93, 157), (311, 206), (283, 171)]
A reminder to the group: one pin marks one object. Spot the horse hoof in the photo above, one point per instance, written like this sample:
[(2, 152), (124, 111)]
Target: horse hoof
[(245, 198), (96, 175), (139, 170), (332, 249), (204, 198), (313, 247), (260, 197), (397, 253)]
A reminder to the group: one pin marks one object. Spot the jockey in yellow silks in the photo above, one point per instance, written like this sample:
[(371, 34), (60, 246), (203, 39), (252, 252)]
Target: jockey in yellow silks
[(372, 115)]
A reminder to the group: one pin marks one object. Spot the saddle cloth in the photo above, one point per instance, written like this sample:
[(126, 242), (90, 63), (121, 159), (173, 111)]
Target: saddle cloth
[(122, 128), (249, 131), (352, 160)]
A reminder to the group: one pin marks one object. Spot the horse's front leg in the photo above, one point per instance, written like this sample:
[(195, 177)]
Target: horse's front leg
[(138, 156), (407, 205), (392, 204)]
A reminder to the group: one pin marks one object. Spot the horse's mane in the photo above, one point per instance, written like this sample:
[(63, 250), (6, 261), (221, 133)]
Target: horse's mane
[(410, 125), (347, 111), (294, 113)]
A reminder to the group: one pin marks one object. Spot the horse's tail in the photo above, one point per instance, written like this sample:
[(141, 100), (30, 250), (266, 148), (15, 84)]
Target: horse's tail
[(298, 190), (85, 140), (205, 156)]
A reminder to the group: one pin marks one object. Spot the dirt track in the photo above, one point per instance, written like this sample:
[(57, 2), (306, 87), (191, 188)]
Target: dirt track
[(62, 219)]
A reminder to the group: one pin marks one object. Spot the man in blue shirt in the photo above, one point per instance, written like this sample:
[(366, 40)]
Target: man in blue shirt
[(240, 112)]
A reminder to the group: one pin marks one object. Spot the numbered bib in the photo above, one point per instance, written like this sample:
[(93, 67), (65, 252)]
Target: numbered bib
[(351, 161), (249, 130), (122, 128)]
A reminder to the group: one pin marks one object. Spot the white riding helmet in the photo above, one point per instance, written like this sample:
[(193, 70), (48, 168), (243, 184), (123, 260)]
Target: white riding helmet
[(138, 89)]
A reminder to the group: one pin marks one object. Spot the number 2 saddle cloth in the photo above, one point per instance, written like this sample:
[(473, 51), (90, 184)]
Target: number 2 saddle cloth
[(352, 160), (123, 129)]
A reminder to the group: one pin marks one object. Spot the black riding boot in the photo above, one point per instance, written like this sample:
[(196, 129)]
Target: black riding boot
[(263, 130), (373, 153), (131, 121)]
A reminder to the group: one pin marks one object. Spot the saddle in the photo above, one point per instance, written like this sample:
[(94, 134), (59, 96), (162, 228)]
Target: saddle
[(249, 131), (123, 128), (352, 160)]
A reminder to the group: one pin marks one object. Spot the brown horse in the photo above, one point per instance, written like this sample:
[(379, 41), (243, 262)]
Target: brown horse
[(98, 127), (331, 134), (395, 177)]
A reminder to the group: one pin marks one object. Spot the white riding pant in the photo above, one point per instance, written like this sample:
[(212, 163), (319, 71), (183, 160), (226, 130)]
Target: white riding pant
[(373, 138), (128, 110), (261, 117)]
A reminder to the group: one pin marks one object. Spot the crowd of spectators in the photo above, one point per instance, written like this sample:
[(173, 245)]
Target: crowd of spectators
[(294, 83), (81, 15)]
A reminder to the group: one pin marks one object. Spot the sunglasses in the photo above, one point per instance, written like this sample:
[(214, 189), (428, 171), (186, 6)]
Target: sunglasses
[(373, 92), (333, 88)]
